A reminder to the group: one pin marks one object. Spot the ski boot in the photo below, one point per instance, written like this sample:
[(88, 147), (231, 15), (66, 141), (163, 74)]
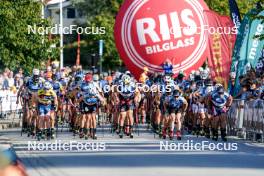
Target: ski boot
[(202, 133), (178, 135), (131, 132), (39, 134), (81, 135), (121, 134), (171, 135), (52, 133), (207, 132), (164, 133), (215, 134), (94, 134), (223, 134)]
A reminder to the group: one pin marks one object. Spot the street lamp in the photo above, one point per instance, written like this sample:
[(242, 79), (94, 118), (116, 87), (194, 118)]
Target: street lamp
[(101, 50), (61, 35)]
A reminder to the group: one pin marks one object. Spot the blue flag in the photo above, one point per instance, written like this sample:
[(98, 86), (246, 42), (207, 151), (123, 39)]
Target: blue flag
[(242, 35), (254, 44), (234, 13), (248, 48)]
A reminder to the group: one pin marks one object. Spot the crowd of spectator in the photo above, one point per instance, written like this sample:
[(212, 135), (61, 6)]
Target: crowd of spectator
[(251, 83), (10, 80)]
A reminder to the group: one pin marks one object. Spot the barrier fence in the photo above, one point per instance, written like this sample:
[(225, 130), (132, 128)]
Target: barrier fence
[(246, 119), (8, 103)]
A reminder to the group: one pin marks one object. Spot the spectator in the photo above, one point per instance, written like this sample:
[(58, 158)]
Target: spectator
[(18, 82), (262, 87), (5, 81), (20, 73), (7, 71), (1, 80), (254, 90), (243, 94), (231, 87), (167, 67), (11, 81)]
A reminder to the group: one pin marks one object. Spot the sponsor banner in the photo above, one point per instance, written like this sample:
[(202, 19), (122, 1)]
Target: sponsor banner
[(219, 50), (148, 33), (231, 36), (234, 13), (250, 47), (260, 63), (241, 37), (254, 44)]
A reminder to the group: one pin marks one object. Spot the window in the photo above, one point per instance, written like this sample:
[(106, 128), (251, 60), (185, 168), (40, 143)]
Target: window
[(71, 13)]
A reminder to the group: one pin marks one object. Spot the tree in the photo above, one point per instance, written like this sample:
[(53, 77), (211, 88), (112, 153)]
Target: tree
[(222, 7), (20, 47), (101, 14)]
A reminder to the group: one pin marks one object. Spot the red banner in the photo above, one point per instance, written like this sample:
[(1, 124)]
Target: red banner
[(227, 22), (221, 34)]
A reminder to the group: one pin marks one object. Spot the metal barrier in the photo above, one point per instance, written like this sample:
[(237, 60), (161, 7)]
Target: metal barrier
[(8, 104), (246, 119)]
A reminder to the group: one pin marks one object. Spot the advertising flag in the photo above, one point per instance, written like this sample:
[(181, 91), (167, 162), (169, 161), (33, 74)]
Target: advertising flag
[(230, 32), (219, 48), (234, 13), (242, 35), (250, 51), (254, 44)]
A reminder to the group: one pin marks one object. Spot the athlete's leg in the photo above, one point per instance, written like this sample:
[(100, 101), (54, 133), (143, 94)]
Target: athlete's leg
[(87, 124), (194, 117), (122, 118), (202, 121), (223, 123), (93, 124), (131, 122), (171, 122), (215, 124), (178, 125), (34, 120), (52, 123), (165, 125), (158, 120), (40, 121), (84, 124), (207, 124), (143, 111)]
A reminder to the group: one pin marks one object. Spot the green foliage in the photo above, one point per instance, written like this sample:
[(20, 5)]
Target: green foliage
[(18, 46), (222, 7), (102, 14)]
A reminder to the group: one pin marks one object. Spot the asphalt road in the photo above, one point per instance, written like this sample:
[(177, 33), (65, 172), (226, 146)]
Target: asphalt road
[(139, 156)]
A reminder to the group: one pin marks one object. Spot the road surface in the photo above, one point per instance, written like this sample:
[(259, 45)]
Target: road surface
[(139, 156)]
